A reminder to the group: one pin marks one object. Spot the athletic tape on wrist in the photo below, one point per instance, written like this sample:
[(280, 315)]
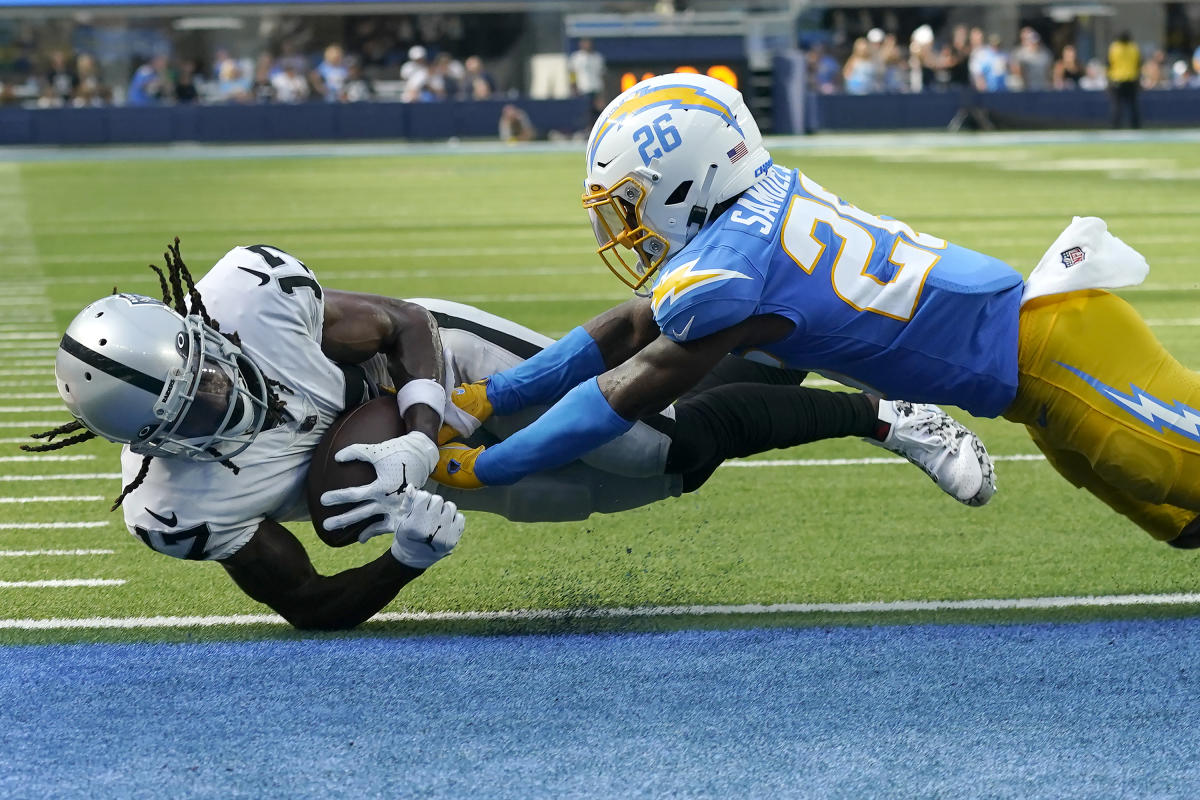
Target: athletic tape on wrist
[(423, 391)]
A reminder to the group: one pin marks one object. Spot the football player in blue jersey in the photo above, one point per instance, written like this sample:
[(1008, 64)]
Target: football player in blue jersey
[(729, 252)]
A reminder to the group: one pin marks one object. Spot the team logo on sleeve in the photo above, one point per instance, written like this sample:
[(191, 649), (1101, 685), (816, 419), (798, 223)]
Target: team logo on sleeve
[(1158, 414), (686, 278)]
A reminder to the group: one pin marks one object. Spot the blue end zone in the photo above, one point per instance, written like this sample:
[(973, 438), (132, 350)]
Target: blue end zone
[(1084, 710)]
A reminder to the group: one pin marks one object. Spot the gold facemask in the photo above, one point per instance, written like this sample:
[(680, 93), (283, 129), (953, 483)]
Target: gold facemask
[(616, 215)]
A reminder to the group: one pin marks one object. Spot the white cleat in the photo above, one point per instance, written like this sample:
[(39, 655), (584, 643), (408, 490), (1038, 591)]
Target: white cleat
[(946, 450)]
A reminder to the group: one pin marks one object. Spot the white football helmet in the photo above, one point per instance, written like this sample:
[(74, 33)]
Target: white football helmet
[(660, 157), (135, 372)]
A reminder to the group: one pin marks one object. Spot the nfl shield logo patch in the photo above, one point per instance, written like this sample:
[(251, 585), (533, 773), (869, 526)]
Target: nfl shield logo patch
[(1072, 257)]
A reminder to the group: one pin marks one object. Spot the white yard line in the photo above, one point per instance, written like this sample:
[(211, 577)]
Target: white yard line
[(61, 583), (38, 336), (897, 606), (30, 396), (30, 423), (31, 553), (52, 498), (43, 526), (30, 409), (44, 457), (854, 462), (66, 476)]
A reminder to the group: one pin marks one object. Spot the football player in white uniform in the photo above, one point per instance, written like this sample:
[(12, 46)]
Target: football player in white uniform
[(234, 379)]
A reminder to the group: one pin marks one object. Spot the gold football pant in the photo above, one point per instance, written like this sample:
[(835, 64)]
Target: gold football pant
[(1110, 408)]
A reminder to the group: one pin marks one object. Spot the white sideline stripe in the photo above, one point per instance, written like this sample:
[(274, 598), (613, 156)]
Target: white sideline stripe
[(855, 462), (38, 526), (30, 396), (66, 476), (42, 371), (29, 409), (53, 498), (998, 604), (49, 336), (61, 583), (46, 381), (46, 457), (32, 423), (24, 553)]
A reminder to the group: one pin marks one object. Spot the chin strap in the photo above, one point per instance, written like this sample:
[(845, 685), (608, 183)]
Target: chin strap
[(699, 214)]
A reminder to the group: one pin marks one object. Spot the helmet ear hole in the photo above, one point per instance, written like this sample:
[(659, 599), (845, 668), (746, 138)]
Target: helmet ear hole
[(680, 194)]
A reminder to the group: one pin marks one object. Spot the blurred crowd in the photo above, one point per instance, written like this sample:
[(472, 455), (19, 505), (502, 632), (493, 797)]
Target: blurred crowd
[(287, 76), (971, 58)]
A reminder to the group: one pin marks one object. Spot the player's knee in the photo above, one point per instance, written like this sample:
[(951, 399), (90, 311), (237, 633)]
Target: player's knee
[(1189, 537)]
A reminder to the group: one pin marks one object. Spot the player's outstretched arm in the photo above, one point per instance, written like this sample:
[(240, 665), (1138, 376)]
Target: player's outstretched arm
[(606, 341), (597, 411), (273, 568)]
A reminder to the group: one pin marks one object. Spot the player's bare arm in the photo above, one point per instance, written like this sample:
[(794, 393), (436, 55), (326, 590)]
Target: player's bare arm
[(357, 326), (665, 369), (273, 568), (622, 331)]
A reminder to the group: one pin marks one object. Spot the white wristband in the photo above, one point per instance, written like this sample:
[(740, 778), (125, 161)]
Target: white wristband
[(422, 391)]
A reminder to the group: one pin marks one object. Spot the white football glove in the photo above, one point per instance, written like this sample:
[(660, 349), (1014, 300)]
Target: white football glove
[(428, 531), (405, 460)]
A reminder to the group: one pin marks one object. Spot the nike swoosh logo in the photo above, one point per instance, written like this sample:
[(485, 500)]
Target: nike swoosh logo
[(683, 333), (262, 276), (170, 522)]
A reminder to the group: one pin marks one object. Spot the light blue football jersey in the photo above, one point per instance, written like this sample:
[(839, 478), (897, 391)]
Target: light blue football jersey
[(911, 316)]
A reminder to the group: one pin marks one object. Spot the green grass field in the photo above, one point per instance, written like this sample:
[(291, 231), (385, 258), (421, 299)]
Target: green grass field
[(505, 231)]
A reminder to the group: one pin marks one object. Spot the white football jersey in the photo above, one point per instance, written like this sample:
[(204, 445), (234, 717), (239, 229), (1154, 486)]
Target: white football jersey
[(202, 510)]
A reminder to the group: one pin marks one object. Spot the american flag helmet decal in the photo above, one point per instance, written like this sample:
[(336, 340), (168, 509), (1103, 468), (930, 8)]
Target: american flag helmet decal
[(737, 152)]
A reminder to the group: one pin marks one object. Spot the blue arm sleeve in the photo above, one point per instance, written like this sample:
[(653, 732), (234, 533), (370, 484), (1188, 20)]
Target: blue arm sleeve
[(547, 376), (577, 424)]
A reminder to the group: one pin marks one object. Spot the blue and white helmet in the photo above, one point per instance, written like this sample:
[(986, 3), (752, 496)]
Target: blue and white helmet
[(134, 371), (660, 157)]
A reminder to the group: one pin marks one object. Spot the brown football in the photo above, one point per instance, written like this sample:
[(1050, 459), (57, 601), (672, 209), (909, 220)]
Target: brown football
[(374, 421)]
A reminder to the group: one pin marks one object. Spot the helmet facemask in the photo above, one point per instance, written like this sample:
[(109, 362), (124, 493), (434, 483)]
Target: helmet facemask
[(616, 216), (216, 397)]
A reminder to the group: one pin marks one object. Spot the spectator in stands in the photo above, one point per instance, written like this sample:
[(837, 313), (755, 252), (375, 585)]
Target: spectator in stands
[(445, 77), (989, 66), (418, 61), (1155, 72), (289, 85), (262, 88), (233, 84), (1181, 75), (824, 73), (587, 68), (356, 89), (49, 97), (478, 84), (90, 91), (1196, 62), (1124, 71), (859, 71), (960, 55), (150, 84), (1067, 69), (61, 76), (515, 125), (184, 82), (415, 74), (922, 60), (330, 74), (1093, 79), (1032, 61)]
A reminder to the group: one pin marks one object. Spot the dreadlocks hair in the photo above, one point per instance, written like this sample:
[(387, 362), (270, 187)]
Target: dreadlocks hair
[(70, 427), (174, 296)]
